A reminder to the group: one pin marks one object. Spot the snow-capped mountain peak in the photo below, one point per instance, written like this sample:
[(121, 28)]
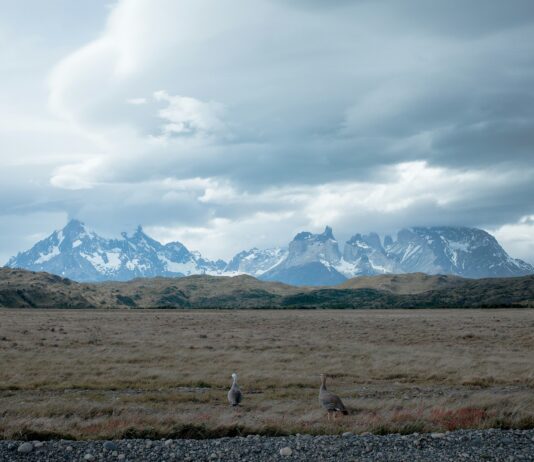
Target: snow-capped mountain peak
[(82, 255), (311, 260), (468, 252)]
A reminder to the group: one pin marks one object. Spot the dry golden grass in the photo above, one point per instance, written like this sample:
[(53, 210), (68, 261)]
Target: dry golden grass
[(91, 374)]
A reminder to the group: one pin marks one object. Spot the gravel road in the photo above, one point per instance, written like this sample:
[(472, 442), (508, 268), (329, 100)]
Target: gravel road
[(465, 445)]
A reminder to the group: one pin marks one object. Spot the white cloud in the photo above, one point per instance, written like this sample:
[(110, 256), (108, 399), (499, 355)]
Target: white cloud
[(136, 101), (223, 238), (518, 238), (77, 176), (189, 116), (204, 190)]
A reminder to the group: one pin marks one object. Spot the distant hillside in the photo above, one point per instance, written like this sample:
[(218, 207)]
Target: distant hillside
[(200, 291), (26, 289), (412, 283)]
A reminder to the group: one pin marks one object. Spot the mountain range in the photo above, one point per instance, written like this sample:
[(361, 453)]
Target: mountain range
[(309, 260)]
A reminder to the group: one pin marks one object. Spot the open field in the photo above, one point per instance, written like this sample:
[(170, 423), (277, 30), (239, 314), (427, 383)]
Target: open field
[(117, 373)]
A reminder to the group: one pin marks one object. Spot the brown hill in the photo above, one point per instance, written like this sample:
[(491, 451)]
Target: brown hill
[(194, 291), (27, 289), (411, 283)]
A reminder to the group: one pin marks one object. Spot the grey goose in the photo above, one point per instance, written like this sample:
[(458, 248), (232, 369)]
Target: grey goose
[(332, 403)]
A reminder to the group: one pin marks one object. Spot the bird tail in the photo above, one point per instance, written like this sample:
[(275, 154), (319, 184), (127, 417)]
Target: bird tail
[(345, 412)]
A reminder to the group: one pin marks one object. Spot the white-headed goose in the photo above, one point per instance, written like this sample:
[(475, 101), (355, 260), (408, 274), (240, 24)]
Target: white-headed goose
[(234, 394)]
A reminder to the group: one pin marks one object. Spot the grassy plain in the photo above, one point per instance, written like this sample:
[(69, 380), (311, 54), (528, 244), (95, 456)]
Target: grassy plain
[(117, 373)]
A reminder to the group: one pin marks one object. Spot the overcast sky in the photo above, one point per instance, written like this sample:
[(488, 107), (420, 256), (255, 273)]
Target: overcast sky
[(228, 124)]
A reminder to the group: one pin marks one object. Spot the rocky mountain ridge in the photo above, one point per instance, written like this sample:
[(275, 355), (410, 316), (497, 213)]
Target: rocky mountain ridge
[(315, 259), (310, 259), (82, 255)]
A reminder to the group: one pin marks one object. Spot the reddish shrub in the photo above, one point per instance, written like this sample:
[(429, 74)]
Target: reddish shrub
[(453, 419)]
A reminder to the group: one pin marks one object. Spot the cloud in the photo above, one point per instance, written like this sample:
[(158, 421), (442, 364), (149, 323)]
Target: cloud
[(189, 116), (314, 99), (76, 176), (518, 238), (254, 229), (194, 119), (136, 101)]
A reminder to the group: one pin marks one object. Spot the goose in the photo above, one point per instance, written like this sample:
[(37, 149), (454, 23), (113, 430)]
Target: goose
[(332, 403), (234, 394)]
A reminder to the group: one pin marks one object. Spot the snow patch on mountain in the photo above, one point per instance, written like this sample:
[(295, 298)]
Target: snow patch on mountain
[(48, 256), (255, 261)]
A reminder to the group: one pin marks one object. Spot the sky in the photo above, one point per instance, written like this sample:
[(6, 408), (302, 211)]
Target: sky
[(231, 124)]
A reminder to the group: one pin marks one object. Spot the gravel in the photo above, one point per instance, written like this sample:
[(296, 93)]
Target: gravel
[(464, 445)]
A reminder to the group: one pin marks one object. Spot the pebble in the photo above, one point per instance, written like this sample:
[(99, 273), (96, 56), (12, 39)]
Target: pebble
[(287, 451), (110, 446), (437, 435), (346, 434), (24, 448), (38, 444), (88, 457), (168, 442)]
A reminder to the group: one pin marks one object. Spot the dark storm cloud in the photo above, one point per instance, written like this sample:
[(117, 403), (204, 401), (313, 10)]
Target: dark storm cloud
[(330, 96), (457, 18), (454, 17)]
